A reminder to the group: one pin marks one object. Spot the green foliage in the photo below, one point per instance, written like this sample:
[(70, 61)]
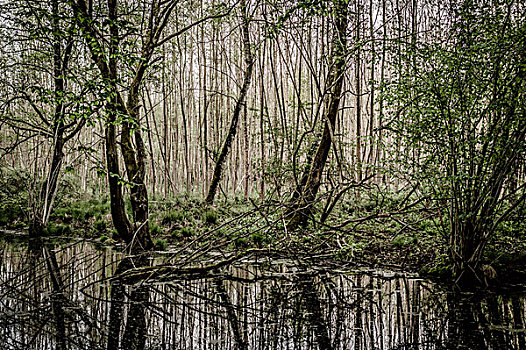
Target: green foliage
[(173, 216), (155, 229), (258, 239), (81, 211), (160, 244), (210, 217), (13, 195), (54, 229), (350, 248), (183, 232), (460, 120), (241, 242), (403, 240), (186, 232), (100, 225)]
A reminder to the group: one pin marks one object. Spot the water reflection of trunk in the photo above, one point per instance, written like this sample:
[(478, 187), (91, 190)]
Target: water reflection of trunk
[(135, 331), (463, 328), (314, 313), (517, 309), (336, 302), (493, 320), (38, 250), (57, 296), (358, 318), (415, 313), (134, 337), (233, 321)]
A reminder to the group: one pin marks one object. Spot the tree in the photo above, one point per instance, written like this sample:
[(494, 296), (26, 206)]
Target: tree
[(123, 65), (464, 113), (303, 205), (46, 93), (249, 63)]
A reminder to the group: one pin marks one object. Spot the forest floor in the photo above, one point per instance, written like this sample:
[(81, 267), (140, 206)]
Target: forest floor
[(360, 235)]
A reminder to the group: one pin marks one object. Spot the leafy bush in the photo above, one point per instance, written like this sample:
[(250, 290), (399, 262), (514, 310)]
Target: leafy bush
[(13, 195)]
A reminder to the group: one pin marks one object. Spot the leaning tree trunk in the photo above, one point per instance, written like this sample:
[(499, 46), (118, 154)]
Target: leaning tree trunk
[(302, 207), (249, 61), (117, 207), (42, 210)]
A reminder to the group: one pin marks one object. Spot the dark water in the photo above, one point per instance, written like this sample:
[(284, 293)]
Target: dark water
[(63, 296)]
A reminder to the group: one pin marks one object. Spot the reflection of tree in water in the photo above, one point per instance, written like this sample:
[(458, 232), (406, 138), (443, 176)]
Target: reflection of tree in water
[(136, 299), (76, 297), (40, 301), (486, 322)]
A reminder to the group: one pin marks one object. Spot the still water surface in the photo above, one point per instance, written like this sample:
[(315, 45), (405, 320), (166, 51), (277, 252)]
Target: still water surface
[(65, 296)]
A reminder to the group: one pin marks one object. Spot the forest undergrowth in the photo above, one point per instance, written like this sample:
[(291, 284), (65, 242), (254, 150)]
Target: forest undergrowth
[(395, 230)]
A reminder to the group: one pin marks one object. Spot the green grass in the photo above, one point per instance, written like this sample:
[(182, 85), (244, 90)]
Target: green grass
[(173, 216), (209, 217), (155, 229), (160, 244)]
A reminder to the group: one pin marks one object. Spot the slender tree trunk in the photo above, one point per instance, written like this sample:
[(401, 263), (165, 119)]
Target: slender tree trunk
[(249, 61), (48, 190), (359, 157)]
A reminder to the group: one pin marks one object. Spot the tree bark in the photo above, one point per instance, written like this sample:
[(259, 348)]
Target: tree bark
[(336, 75)]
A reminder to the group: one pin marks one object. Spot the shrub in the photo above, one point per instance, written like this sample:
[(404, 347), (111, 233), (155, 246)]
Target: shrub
[(155, 229), (160, 244), (210, 217), (100, 225)]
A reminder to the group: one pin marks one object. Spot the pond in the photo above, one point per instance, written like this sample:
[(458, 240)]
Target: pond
[(65, 296)]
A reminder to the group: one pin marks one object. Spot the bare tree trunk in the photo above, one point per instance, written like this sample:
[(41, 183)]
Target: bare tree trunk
[(336, 76), (358, 82), (249, 61)]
